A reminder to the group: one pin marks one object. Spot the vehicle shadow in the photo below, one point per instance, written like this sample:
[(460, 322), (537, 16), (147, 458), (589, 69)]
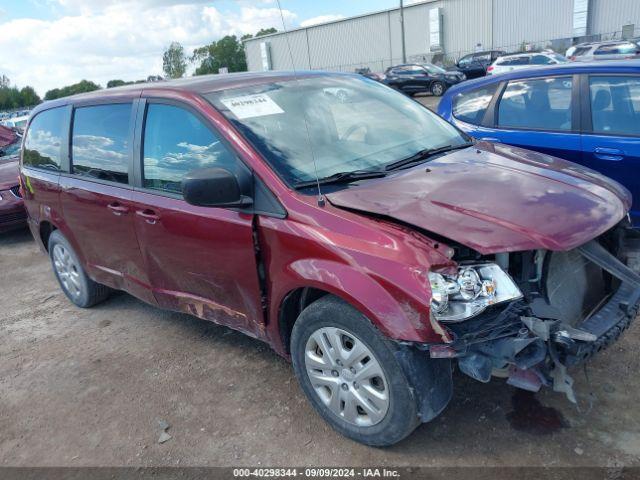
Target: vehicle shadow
[(15, 237), (478, 416)]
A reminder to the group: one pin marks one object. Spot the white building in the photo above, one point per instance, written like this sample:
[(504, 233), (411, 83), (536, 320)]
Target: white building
[(452, 27)]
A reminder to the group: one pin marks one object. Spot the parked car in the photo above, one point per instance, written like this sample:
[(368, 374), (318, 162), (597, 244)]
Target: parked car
[(12, 211), (366, 72), (475, 65), (519, 61), (363, 237), (8, 138), (16, 123), (421, 78), (612, 50), (588, 113)]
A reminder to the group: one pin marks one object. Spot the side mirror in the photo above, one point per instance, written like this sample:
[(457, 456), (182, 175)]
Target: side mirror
[(213, 187)]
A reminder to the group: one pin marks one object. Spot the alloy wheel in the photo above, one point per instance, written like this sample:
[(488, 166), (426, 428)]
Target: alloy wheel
[(346, 376), (67, 270)]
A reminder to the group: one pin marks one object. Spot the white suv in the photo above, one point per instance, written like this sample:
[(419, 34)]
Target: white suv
[(519, 61), (614, 50)]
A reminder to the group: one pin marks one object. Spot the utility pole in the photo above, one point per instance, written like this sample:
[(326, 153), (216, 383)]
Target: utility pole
[(404, 51)]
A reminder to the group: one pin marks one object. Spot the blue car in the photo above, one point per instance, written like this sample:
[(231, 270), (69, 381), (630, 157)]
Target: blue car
[(588, 113)]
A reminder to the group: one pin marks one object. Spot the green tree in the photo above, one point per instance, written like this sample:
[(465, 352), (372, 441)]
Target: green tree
[(29, 97), (174, 63), (266, 31), (80, 87), (226, 52), (116, 83)]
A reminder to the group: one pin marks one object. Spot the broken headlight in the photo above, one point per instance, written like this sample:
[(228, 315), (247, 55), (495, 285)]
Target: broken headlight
[(455, 298)]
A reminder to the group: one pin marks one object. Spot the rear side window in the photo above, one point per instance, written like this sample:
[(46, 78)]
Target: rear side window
[(464, 61), (541, 104), (615, 104), (100, 142), (541, 60), (482, 57), (175, 143), (471, 106), (620, 49), (511, 61), (42, 147), (581, 51)]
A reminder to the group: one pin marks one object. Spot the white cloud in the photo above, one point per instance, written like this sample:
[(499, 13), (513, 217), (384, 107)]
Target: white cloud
[(116, 39), (321, 19)]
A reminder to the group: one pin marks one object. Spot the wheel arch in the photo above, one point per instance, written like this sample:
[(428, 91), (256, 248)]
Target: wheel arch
[(45, 229), (395, 317)]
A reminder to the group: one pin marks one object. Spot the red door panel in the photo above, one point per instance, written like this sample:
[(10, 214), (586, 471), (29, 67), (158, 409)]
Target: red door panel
[(200, 260), (100, 216)]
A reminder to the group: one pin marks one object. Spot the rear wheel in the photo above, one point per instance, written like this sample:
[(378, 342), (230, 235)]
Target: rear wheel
[(348, 371), (437, 89), (73, 280)]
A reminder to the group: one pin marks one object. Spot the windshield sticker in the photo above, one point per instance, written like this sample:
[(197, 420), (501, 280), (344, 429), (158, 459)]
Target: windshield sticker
[(249, 106)]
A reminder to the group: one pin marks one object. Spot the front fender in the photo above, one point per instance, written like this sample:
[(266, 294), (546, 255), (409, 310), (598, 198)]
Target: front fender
[(383, 301)]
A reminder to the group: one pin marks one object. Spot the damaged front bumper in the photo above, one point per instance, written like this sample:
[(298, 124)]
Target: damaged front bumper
[(531, 347)]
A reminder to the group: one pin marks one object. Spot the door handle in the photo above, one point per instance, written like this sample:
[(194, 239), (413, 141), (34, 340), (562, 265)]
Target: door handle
[(149, 216), (117, 208), (611, 154), (490, 139)]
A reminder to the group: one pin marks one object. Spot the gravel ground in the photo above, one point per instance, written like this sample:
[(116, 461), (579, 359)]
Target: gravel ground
[(91, 387)]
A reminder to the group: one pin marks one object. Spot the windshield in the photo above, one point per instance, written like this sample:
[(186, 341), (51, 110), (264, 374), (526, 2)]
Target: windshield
[(352, 123), (558, 58)]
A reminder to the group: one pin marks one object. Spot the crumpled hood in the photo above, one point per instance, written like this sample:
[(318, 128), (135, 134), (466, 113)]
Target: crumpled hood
[(8, 174), (496, 198)]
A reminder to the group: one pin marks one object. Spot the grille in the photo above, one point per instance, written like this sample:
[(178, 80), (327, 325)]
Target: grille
[(12, 217), (16, 191)]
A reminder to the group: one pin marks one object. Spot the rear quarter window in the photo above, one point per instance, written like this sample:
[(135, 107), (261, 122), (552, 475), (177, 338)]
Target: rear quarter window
[(471, 106), (43, 143)]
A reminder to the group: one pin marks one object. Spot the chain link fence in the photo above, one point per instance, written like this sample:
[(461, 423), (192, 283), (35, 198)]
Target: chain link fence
[(448, 58)]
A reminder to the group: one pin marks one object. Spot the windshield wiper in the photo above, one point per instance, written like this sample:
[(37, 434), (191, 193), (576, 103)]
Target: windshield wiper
[(342, 177), (425, 154)]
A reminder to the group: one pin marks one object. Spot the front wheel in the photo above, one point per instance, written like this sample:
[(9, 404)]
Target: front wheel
[(437, 89), (348, 371)]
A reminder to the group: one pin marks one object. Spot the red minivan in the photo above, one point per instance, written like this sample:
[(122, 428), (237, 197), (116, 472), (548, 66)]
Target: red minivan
[(354, 231)]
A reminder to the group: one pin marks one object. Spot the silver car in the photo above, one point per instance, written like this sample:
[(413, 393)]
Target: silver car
[(613, 50)]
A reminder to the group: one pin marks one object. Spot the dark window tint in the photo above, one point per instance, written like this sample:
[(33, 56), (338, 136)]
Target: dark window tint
[(471, 106), (615, 104), (176, 142), (464, 61), (510, 61), (482, 57), (541, 60), (581, 51), (43, 144), (619, 49), (541, 103), (101, 142)]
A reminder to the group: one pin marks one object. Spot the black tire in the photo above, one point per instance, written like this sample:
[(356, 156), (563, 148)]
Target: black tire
[(401, 417), (89, 292), (437, 89)]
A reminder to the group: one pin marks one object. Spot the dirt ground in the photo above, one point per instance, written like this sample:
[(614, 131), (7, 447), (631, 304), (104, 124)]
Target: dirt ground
[(89, 387)]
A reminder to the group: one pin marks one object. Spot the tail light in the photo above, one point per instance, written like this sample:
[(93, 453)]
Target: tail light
[(490, 69), (572, 58)]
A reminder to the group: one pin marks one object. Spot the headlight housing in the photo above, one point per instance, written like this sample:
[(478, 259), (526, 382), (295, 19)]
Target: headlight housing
[(470, 291)]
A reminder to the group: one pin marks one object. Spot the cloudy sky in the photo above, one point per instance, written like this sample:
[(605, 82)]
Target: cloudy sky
[(53, 43)]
